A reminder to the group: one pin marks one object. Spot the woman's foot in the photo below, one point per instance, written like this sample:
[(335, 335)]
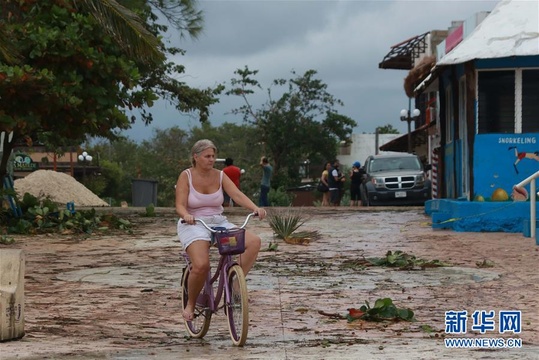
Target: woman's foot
[(188, 314)]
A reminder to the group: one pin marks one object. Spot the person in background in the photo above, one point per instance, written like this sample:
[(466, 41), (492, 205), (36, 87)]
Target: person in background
[(324, 180), (234, 173), (335, 180), (356, 177), (267, 172), (199, 194)]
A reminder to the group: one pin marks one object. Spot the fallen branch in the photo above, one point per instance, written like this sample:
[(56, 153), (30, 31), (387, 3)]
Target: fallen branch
[(332, 315)]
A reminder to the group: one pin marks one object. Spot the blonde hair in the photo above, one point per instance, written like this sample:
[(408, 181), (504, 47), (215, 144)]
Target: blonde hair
[(199, 147)]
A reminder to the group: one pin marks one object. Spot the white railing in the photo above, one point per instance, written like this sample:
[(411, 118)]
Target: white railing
[(531, 180)]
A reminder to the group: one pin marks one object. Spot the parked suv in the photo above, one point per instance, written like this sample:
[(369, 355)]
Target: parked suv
[(395, 179)]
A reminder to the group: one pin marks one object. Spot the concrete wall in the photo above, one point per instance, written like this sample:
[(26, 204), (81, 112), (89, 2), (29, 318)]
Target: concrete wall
[(364, 145), (12, 270)]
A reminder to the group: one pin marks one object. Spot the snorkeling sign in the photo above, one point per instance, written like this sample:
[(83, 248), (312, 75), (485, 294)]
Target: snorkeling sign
[(23, 162)]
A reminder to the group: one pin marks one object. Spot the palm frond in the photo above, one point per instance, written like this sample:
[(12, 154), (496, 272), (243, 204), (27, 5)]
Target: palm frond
[(8, 53), (182, 15), (126, 27)]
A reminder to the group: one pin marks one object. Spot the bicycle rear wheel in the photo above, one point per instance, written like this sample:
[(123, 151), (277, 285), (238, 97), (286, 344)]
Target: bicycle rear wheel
[(238, 307), (200, 324)]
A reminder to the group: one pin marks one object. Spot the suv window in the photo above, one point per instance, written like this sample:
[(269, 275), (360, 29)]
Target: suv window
[(394, 163)]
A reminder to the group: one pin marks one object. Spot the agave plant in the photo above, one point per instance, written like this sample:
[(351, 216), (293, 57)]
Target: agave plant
[(284, 222)]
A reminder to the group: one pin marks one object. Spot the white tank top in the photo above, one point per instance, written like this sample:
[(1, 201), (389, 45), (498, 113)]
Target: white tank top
[(199, 204)]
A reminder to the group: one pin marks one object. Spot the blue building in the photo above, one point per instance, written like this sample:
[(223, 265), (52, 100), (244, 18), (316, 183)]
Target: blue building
[(484, 85)]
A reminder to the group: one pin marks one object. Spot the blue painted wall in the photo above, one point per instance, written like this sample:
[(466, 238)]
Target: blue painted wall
[(458, 167), (494, 161)]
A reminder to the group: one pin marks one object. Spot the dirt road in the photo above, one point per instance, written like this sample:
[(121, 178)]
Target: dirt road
[(117, 296)]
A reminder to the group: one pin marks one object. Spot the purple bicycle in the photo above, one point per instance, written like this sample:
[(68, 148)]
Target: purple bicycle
[(227, 282)]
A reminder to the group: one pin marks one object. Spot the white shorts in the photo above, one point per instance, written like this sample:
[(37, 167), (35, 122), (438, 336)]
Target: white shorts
[(189, 233)]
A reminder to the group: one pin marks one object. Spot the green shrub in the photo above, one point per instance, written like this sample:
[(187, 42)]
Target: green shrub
[(150, 211), (47, 218), (280, 197)]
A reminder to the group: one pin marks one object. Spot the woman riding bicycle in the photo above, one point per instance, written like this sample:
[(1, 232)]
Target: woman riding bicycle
[(199, 194)]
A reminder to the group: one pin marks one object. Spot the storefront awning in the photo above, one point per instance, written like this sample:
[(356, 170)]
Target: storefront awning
[(403, 54)]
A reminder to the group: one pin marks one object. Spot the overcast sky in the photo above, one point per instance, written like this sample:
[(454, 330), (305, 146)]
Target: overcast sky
[(344, 41)]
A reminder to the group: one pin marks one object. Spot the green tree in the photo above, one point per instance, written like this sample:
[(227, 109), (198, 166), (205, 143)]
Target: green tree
[(119, 165), (115, 186), (165, 155), (301, 124), (162, 158), (78, 76), (117, 20), (387, 129)]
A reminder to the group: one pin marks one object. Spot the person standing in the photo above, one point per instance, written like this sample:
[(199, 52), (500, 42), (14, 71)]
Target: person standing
[(355, 181), (234, 173), (199, 194), (324, 180), (267, 172), (335, 180)]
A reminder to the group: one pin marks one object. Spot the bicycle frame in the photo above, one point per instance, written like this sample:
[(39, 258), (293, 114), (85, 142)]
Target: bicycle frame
[(225, 262)]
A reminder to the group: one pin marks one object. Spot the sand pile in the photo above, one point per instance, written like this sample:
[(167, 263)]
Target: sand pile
[(59, 187)]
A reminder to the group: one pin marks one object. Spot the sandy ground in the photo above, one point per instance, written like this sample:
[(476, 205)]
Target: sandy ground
[(117, 296)]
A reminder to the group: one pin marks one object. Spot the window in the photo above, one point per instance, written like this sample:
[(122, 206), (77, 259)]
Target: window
[(496, 102), (395, 163), (530, 101)]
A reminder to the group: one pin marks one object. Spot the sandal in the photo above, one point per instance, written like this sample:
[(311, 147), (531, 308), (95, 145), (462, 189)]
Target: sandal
[(188, 316)]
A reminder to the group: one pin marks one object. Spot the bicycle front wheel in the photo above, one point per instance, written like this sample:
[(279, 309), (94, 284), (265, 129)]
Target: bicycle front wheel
[(200, 324), (237, 309)]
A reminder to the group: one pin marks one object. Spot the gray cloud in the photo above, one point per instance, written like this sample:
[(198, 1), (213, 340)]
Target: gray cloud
[(342, 40)]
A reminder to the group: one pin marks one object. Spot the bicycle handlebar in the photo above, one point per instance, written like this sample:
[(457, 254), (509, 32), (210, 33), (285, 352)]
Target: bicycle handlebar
[(214, 231)]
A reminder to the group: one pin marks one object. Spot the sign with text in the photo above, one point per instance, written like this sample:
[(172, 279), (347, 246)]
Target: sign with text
[(23, 162)]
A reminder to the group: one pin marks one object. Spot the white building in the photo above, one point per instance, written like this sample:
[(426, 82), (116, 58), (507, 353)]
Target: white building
[(363, 145)]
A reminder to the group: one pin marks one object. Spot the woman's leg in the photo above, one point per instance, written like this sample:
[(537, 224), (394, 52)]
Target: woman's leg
[(325, 198), (252, 247), (352, 197), (199, 256)]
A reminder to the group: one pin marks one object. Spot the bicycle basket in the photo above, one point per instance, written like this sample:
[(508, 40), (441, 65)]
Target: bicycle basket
[(231, 241)]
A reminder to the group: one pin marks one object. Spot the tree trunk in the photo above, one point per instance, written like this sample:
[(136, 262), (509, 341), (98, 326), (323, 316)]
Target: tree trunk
[(7, 147)]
